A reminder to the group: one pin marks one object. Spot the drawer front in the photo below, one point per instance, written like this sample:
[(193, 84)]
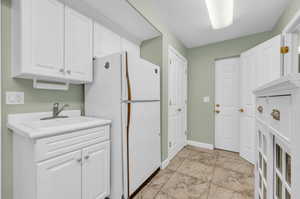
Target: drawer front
[(280, 115), (53, 146), (262, 109)]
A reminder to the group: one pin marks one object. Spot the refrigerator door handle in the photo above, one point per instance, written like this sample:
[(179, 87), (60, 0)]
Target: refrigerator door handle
[(128, 124)]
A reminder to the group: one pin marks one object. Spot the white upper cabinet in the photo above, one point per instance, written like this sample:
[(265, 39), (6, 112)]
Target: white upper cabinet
[(38, 38), (78, 46), (51, 42), (106, 42)]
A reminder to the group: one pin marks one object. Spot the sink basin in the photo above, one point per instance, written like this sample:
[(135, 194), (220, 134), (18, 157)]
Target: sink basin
[(30, 124), (41, 124)]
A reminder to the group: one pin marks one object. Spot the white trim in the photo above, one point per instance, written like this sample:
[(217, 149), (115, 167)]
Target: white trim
[(200, 144), (0, 101), (171, 48), (165, 163)]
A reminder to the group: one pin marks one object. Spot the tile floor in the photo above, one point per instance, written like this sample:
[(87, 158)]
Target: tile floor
[(197, 173)]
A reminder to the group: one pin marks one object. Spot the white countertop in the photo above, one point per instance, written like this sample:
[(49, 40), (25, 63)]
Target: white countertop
[(29, 124)]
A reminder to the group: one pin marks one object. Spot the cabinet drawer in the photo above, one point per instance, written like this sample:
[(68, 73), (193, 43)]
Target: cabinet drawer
[(53, 146), (280, 115), (262, 109)]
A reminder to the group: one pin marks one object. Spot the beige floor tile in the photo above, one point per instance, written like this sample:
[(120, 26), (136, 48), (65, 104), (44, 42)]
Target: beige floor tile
[(175, 163), (235, 165), (148, 192), (185, 187), (235, 181), (200, 149), (163, 195), (228, 154), (161, 178), (204, 158), (196, 169), (184, 153)]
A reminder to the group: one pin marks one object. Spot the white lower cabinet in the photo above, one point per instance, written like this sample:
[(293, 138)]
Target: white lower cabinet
[(95, 175), (81, 169), (278, 140), (60, 177)]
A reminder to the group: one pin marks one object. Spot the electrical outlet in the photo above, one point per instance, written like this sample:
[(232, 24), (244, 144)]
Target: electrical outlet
[(14, 97), (206, 99)]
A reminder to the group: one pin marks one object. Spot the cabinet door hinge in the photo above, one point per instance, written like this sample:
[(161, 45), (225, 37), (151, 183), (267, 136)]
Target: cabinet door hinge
[(284, 49)]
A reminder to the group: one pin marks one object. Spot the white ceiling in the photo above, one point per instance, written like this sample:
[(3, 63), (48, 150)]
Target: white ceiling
[(189, 20), (117, 15)]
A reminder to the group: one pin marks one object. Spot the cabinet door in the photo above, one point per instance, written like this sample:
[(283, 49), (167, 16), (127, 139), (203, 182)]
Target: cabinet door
[(79, 46), (96, 171), (47, 38), (60, 177)]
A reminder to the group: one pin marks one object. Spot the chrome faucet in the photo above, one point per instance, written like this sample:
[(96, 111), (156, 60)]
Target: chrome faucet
[(56, 111)]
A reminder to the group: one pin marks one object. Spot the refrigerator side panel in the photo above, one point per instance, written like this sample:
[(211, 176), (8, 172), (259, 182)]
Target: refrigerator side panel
[(103, 99), (144, 79)]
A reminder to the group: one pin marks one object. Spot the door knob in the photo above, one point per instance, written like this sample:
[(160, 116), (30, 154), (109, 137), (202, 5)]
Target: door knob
[(217, 105), (217, 111), (242, 110), (179, 110)]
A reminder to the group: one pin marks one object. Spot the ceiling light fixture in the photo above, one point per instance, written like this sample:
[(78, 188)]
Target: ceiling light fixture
[(220, 12)]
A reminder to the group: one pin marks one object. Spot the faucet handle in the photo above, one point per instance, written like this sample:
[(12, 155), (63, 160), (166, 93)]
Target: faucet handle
[(56, 105)]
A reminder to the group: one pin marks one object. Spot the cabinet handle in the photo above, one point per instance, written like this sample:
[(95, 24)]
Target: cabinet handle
[(86, 157), (79, 160), (69, 71), (62, 70), (260, 109), (241, 110), (217, 111), (276, 114), (179, 110)]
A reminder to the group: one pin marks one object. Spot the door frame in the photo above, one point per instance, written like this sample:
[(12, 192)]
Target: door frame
[(185, 61), (214, 75), (0, 100)]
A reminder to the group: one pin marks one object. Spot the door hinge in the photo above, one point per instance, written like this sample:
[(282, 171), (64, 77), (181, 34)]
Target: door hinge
[(284, 49)]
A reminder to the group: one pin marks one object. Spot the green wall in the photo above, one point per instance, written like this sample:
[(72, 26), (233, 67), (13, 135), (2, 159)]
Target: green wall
[(201, 75), (35, 100), (201, 83), (148, 50)]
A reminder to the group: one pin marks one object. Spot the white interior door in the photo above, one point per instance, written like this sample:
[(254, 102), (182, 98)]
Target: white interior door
[(227, 104), (247, 121), (177, 103)]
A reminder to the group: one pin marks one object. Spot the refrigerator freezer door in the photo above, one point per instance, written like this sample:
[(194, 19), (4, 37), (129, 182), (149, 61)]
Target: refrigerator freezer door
[(141, 79), (143, 143)]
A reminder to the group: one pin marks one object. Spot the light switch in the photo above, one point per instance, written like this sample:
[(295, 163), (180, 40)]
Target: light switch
[(14, 97), (206, 99)]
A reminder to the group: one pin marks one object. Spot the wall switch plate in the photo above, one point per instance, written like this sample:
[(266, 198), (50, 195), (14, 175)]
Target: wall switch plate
[(206, 99), (14, 97)]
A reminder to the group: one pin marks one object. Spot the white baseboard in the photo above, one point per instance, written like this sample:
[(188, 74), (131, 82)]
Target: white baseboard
[(165, 163), (200, 144)]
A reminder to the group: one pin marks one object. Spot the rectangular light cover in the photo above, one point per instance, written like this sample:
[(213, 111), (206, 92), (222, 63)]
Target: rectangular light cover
[(220, 12)]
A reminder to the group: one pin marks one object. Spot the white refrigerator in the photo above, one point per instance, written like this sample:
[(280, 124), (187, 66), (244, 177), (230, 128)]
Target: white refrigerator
[(126, 89)]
